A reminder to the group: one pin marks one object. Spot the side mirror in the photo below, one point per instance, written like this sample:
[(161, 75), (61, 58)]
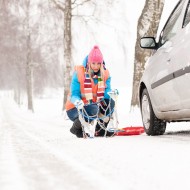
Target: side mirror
[(148, 43)]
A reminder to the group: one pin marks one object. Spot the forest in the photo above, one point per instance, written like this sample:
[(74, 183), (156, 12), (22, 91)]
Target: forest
[(41, 41)]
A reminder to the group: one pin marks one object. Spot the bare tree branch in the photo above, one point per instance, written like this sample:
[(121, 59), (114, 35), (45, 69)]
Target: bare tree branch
[(59, 5), (73, 2), (80, 4)]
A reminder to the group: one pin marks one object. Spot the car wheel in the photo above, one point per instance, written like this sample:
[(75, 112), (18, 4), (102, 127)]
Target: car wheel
[(152, 125)]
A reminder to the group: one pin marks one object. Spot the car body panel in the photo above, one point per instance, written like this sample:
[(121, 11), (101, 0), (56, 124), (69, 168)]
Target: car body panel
[(167, 74), (182, 67)]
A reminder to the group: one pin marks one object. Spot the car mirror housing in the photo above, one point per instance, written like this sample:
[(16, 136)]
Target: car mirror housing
[(148, 43)]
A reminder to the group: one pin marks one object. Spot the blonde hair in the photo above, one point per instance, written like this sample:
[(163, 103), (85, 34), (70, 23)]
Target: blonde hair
[(90, 71)]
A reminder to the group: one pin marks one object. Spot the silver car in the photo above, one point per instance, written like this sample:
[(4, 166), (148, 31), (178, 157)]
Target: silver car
[(164, 90)]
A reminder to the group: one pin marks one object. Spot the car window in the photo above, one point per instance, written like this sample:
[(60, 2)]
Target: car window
[(187, 15), (173, 23)]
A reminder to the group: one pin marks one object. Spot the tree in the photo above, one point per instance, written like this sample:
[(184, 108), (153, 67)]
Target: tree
[(147, 26), (11, 51), (29, 67), (33, 36), (68, 7), (67, 10)]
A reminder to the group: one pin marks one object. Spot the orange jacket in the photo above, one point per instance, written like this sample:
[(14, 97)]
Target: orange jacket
[(81, 74)]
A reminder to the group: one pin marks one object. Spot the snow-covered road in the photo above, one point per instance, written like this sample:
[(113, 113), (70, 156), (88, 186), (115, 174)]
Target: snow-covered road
[(39, 153)]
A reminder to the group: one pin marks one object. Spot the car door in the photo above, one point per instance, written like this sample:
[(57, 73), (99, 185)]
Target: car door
[(164, 90), (180, 60), (160, 87)]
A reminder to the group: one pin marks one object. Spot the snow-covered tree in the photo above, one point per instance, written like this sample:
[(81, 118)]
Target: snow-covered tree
[(30, 42), (11, 40), (147, 26)]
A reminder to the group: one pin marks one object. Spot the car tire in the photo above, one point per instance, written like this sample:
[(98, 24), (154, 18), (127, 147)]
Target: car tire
[(152, 125)]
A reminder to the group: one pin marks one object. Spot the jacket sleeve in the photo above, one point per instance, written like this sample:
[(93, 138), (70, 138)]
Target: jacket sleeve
[(108, 88), (75, 88)]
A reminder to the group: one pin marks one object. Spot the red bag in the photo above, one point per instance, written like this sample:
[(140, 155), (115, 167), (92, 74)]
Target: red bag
[(130, 131)]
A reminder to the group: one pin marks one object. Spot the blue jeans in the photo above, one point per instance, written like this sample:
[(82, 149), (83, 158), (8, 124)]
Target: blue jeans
[(91, 110)]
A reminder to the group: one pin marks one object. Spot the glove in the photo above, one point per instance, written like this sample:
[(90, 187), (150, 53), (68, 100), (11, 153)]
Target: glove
[(116, 92), (79, 104), (113, 92)]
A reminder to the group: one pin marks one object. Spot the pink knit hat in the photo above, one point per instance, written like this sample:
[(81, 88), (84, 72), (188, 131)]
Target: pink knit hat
[(95, 56)]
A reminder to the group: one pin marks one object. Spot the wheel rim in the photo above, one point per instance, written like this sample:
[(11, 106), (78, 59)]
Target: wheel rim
[(146, 112)]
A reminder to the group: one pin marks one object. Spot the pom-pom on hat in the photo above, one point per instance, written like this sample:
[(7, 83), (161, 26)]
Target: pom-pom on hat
[(95, 56)]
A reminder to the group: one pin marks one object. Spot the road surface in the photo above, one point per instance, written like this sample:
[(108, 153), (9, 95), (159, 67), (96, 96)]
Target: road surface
[(39, 153)]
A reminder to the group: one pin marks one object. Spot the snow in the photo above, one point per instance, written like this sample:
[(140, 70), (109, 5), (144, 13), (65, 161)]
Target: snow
[(38, 152)]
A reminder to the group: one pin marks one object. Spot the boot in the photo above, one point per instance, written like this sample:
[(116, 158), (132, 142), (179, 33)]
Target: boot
[(109, 134), (76, 129), (101, 132)]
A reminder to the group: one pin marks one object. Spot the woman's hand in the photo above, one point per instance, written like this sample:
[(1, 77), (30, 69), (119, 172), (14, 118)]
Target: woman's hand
[(79, 104)]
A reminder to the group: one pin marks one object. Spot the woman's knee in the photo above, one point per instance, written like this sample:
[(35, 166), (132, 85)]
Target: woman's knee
[(91, 109)]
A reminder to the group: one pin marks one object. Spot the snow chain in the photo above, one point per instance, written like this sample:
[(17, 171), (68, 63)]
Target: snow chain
[(89, 126)]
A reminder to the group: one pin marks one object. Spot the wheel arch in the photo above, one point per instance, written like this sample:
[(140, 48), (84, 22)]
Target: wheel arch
[(142, 87), (152, 124)]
